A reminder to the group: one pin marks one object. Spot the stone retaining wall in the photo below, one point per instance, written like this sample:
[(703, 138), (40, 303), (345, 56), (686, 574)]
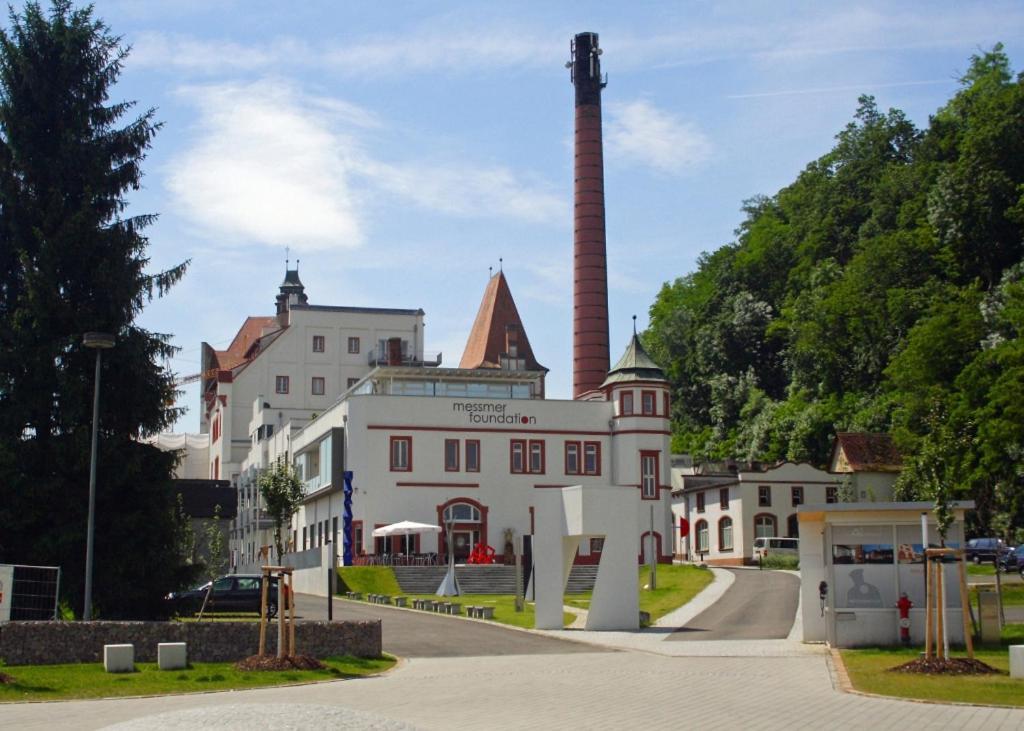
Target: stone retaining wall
[(52, 643)]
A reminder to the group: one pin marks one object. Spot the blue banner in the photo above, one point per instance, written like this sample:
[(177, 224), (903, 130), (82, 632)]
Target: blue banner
[(346, 521)]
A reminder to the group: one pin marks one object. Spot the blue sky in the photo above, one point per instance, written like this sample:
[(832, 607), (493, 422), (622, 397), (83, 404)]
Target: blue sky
[(401, 149)]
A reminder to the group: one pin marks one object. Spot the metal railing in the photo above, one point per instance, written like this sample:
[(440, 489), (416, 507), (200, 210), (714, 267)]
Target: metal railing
[(379, 357)]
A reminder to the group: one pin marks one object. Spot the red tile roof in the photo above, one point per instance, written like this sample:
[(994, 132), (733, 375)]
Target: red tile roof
[(486, 341), (238, 352), (863, 452)]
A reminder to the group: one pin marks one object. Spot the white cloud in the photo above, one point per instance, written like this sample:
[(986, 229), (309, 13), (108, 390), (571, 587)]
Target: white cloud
[(641, 133), (268, 166), (271, 165), (465, 190), (421, 51)]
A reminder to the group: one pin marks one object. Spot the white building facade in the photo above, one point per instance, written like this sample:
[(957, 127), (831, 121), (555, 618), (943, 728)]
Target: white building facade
[(420, 452), (278, 373), (725, 511)]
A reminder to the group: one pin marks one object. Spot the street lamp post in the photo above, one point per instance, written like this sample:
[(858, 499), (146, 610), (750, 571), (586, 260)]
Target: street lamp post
[(98, 342)]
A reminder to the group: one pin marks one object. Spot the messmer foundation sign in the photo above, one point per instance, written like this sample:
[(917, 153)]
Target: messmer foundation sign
[(495, 413)]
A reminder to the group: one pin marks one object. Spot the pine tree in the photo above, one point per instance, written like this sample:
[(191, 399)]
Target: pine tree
[(72, 261)]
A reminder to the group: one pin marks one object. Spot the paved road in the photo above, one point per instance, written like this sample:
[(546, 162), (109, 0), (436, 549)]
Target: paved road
[(410, 633), (760, 605)]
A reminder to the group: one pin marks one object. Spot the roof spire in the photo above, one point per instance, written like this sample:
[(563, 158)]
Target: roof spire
[(490, 272), (634, 324), (501, 266), (287, 257), (498, 338)]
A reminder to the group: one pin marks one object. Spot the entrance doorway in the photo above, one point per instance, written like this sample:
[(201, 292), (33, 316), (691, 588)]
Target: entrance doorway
[(463, 542)]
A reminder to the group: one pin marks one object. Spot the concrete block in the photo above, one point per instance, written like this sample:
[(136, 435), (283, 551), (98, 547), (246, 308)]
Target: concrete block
[(119, 658), (487, 612), (171, 656), (1017, 661)]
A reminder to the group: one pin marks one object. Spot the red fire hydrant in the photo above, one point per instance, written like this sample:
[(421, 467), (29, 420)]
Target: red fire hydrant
[(904, 605)]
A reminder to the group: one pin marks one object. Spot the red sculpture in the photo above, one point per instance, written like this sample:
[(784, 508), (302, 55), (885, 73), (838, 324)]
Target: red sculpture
[(481, 554)]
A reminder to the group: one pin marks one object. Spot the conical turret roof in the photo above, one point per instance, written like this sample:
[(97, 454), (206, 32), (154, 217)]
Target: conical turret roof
[(487, 340), (634, 365)]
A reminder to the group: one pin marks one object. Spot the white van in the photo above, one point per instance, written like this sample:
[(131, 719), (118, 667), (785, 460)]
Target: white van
[(764, 547)]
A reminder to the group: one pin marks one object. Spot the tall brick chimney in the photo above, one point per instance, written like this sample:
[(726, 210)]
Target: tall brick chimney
[(590, 361)]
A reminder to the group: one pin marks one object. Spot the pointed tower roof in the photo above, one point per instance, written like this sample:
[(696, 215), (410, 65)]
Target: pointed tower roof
[(634, 365), (496, 321)]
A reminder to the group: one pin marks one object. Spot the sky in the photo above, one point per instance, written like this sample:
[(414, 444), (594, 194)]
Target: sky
[(400, 150)]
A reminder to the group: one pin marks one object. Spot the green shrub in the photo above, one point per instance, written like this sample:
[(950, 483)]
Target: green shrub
[(780, 562)]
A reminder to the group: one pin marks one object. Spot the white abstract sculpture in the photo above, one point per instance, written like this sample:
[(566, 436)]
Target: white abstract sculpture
[(563, 518)]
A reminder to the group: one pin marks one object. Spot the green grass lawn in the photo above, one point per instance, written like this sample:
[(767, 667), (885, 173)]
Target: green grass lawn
[(1013, 595), (63, 682), (981, 569), (369, 580), (676, 586), (869, 672)]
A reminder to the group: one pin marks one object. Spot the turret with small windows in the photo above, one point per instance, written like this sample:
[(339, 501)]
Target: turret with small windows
[(291, 292)]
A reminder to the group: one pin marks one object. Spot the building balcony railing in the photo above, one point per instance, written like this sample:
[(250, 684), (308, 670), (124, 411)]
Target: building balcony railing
[(313, 484), (381, 358)]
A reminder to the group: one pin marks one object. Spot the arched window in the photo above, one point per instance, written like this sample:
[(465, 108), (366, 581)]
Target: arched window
[(792, 526), (725, 534), (462, 513), (703, 544), (765, 526)]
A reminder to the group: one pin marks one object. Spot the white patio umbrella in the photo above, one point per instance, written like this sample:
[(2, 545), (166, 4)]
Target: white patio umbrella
[(405, 528)]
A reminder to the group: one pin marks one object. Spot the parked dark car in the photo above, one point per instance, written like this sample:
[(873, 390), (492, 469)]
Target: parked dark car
[(1012, 560), (235, 593), (984, 549)]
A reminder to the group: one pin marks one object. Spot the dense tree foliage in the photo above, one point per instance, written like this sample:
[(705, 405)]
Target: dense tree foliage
[(882, 290), (71, 262)]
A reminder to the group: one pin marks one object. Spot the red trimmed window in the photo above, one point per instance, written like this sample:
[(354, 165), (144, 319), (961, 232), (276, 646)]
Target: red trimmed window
[(451, 455), (647, 403), (723, 498), (764, 496), (281, 384), (572, 458), (668, 403), (700, 502), (626, 403), (591, 458), (517, 456), (797, 494), (318, 386), (472, 455), (536, 457), (401, 454), (649, 475), (318, 343), (831, 494)]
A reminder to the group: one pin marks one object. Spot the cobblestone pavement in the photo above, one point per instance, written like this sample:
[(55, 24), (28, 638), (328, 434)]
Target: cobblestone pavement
[(594, 691), (737, 684)]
